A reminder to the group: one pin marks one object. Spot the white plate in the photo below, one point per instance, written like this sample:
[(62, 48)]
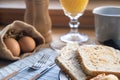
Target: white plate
[(62, 76)]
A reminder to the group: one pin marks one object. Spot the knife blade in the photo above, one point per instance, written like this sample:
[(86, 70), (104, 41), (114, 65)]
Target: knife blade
[(46, 69)]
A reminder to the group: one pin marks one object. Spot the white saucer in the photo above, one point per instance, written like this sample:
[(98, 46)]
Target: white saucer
[(62, 76)]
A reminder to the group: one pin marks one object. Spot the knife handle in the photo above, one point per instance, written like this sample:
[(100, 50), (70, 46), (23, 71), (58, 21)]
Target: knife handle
[(43, 71), (14, 74)]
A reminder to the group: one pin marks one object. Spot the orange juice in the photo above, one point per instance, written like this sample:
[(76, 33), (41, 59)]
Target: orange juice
[(74, 6)]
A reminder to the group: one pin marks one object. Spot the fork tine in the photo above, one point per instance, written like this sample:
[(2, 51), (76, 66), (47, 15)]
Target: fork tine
[(42, 61), (39, 60), (45, 59)]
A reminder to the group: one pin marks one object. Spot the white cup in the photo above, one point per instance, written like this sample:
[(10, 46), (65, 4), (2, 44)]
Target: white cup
[(107, 23)]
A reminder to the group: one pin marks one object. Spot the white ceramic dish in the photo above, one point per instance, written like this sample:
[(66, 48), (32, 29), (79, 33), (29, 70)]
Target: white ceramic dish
[(62, 76)]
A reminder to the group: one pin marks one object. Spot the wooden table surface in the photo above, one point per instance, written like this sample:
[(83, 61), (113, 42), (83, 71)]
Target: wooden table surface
[(57, 32)]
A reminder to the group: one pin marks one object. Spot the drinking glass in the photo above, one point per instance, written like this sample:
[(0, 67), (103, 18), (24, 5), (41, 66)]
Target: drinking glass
[(74, 9)]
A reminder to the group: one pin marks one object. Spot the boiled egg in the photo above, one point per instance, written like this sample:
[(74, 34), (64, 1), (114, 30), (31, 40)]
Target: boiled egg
[(13, 46), (27, 44)]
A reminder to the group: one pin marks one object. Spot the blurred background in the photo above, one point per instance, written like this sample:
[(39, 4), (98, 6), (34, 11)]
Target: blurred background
[(11, 10)]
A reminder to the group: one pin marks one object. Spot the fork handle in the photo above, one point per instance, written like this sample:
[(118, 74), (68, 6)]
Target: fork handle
[(46, 69)]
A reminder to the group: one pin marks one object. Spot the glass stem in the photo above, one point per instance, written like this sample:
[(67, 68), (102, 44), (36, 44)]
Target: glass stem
[(74, 23)]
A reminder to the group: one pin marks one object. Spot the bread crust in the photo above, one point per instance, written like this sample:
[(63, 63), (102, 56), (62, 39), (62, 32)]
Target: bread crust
[(95, 72), (64, 69), (69, 64)]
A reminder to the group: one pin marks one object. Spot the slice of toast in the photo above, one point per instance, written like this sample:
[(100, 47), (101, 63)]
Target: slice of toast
[(105, 77), (98, 59), (69, 64)]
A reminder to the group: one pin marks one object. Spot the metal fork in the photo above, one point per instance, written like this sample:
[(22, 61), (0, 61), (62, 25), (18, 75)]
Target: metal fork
[(40, 62)]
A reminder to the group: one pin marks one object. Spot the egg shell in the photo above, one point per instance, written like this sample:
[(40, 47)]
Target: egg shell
[(27, 44), (13, 46)]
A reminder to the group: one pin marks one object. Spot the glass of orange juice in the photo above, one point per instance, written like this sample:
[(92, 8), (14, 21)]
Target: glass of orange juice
[(74, 9)]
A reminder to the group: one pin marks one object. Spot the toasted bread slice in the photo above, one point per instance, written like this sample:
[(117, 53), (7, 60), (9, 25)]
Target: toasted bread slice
[(98, 59), (105, 77), (69, 64)]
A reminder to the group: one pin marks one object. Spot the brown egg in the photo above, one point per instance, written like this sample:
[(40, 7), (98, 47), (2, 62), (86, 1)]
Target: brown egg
[(13, 46), (27, 44)]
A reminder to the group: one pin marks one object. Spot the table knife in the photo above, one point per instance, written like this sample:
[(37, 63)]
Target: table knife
[(47, 68)]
